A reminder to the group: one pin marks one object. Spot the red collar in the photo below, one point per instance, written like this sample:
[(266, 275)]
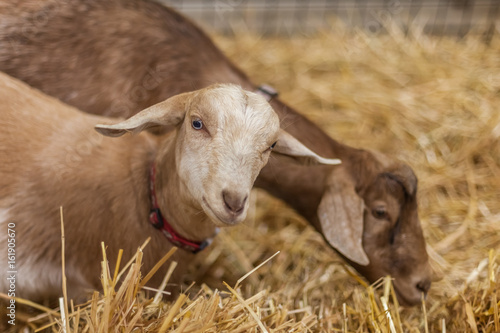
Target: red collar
[(159, 222)]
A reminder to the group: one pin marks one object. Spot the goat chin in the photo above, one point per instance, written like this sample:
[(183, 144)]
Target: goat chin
[(223, 219)]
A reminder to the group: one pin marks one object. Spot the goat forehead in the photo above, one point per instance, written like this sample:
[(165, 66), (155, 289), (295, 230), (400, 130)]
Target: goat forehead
[(221, 99), (385, 187), (236, 113)]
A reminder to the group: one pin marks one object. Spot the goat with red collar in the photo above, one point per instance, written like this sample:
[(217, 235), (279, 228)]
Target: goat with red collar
[(187, 183)]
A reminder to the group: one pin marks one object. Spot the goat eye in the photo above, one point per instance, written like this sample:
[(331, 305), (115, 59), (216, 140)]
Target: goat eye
[(197, 124), (273, 145), (379, 212)]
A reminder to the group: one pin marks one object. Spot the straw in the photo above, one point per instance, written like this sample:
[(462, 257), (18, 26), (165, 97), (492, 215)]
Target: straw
[(429, 101)]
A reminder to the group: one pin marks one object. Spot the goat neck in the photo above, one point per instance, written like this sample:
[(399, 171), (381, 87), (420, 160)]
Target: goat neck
[(181, 211)]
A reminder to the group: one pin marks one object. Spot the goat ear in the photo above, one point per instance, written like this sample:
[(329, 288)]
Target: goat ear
[(164, 114), (340, 213), (289, 146), (403, 174)]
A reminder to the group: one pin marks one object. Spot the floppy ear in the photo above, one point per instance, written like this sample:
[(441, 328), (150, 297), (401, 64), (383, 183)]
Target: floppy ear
[(340, 213), (167, 113), (289, 146)]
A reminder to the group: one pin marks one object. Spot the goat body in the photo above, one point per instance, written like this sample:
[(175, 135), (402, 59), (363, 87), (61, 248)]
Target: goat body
[(52, 157), (117, 57)]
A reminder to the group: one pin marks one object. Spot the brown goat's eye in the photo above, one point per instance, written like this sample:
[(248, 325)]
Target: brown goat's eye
[(379, 212), (273, 145)]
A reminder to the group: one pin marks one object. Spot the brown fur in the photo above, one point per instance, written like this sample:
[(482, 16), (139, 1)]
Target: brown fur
[(31, 163), (117, 57)]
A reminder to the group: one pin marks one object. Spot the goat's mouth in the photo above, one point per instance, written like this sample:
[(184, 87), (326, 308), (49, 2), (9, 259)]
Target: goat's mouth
[(221, 219), (407, 297)]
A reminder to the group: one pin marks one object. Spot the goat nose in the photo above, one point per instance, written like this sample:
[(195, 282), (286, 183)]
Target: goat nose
[(424, 285), (235, 202)]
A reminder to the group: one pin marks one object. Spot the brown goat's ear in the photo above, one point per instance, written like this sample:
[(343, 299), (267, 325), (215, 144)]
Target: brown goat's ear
[(289, 146), (403, 174), (164, 114), (340, 213)]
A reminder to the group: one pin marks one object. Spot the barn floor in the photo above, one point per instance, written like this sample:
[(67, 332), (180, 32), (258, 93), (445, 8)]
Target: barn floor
[(429, 101)]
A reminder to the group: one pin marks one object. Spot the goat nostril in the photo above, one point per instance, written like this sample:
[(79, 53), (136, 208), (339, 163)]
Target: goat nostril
[(424, 285), (234, 202)]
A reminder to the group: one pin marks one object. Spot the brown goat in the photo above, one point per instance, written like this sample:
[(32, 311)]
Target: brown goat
[(117, 57)]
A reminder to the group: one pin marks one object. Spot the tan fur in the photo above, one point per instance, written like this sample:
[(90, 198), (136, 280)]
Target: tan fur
[(52, 157), (117, 57)]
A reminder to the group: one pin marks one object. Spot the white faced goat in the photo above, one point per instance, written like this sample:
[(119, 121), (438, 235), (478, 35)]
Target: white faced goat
[(187, 183)]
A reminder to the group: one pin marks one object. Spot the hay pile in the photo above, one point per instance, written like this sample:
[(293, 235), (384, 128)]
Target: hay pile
[(429, 101)]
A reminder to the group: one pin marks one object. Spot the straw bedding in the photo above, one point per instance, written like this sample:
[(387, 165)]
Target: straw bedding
[(429, 101)]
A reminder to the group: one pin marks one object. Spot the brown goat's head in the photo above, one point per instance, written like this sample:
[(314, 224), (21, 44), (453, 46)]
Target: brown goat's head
[(374, 224)]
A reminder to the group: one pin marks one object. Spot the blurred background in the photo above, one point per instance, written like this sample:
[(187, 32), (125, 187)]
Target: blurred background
[(279, 17)]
